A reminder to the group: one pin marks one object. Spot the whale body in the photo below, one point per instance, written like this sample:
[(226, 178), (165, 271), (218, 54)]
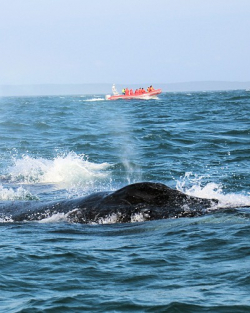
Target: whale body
[(150, 201)]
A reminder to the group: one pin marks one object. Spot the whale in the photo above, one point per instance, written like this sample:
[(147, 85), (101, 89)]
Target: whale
[(140, 201)]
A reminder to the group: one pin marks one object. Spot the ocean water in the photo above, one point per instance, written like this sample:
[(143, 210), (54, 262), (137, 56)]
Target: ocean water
[(62, 147)]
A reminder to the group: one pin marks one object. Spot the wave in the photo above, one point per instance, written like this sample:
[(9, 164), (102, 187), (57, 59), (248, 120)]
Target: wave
[(68, 169), (240, 97), (68, 172), (80, 177), (15, 194), (95, 99), (192, 185)]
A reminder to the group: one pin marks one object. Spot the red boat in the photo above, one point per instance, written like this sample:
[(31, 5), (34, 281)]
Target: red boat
[(147, 95)]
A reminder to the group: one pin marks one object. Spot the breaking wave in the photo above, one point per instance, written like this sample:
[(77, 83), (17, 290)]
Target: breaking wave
[(192, 185), (8, 193), (95, 99), (68, 169)]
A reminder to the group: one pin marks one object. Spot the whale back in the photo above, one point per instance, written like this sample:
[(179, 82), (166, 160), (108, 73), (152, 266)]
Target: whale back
[(153, 194), (151, 200)]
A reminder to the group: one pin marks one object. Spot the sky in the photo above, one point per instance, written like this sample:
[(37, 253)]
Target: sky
[(132, 41)]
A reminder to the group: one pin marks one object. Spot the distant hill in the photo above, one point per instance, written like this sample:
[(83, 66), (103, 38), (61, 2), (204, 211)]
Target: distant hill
[(82, 89), (206, 86)]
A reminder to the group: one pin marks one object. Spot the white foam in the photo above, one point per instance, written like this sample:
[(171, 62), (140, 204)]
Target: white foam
[(111, 219), (116, 218), (19, 194), (70, 169), (55, 218), (211, 191), (6, 220), (95, 99), (139, 217)]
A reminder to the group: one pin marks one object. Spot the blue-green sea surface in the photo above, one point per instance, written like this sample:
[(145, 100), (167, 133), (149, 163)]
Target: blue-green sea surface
[(61, 147)]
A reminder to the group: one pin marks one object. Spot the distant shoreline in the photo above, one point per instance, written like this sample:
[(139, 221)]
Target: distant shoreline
[(84, 89)]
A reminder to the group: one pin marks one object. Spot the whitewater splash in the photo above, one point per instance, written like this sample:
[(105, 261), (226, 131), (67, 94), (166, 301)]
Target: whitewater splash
[(192, 185), (72, 171), (69, 169), (115, 218), (7, 194), (63, 217), (95, 99)]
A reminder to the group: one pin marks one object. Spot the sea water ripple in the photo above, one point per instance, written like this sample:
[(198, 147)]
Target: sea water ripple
[(59, 147)]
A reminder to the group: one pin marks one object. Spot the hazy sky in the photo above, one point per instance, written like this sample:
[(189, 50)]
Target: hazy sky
[(130, 41)]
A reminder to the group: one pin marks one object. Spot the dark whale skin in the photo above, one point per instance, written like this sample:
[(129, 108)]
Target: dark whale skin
[(151, 201)]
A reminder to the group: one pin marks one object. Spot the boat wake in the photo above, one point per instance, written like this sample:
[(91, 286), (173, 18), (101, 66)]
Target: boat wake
[(95, 99)]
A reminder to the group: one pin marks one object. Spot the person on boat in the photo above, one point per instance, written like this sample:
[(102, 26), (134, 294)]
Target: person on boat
[(126, 92), (148, 89), (131, 92), (151, 88), (143, 90), (123, 91), (136, 91)]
